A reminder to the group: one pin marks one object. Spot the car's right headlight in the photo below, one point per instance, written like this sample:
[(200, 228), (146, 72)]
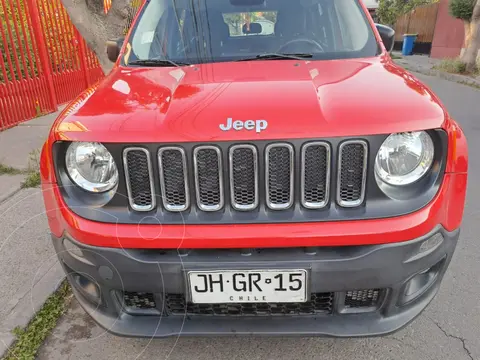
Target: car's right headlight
[(404, 158), (91, 166)]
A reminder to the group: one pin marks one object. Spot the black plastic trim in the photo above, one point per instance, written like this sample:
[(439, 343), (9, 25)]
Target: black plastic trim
[(108, 209), (331, 269)]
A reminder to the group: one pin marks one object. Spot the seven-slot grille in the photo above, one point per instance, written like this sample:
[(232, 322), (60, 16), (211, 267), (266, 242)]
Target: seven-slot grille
[(244, 175)]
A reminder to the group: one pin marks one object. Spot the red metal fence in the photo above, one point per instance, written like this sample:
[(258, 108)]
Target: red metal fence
[(44, 61)]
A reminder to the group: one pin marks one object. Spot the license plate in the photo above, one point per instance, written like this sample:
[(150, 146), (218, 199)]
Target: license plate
[(248, 286)]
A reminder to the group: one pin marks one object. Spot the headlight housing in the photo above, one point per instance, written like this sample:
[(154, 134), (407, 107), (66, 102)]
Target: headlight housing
[(91, 166), (404, 158)]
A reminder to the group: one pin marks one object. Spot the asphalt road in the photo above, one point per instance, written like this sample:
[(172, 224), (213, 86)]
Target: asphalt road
[(448, 329)]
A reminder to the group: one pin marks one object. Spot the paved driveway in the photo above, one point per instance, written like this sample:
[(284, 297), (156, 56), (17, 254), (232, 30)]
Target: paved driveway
[(448, 329)]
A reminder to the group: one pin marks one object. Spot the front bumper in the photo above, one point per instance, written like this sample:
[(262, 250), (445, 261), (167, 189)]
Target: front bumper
[(388, 267)]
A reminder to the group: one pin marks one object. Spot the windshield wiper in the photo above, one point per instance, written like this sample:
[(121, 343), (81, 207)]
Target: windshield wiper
[(157, 62), (275, 56)]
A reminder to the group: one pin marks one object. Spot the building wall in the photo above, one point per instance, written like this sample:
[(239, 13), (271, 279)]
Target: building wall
[(449, 34)]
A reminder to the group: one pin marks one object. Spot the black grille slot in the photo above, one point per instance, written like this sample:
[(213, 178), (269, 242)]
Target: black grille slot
[(173, 179), (139, 300), (315, 175), (352, 173), (320, 303), (279, 176), (208, 178), (362, 298), (244, 177), (138, 173)]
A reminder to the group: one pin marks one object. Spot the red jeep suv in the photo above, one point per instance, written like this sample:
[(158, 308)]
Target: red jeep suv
[(255, 167)]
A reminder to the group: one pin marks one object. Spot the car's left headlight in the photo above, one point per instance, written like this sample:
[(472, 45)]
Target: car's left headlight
[(91, 166), (404, 158)]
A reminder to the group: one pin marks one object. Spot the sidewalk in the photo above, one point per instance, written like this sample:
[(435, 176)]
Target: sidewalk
[(17, 145), (29, 270), (425, 65)]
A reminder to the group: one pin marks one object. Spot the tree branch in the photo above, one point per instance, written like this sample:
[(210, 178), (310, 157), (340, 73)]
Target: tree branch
[(95, 26)]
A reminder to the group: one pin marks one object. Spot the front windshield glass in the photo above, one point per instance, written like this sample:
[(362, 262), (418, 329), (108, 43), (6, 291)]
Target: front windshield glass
[(203, 31)]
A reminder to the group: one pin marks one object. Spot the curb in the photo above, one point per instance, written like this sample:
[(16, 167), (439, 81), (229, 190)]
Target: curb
[(27, 307), (25, 301), (8, 195), (466, 80)]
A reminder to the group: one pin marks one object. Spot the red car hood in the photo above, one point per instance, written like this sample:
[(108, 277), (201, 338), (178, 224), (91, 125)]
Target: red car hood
[(298, 99)]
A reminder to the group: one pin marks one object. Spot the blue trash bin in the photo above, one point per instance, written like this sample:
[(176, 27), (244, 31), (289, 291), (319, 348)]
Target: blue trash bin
[(408, 43)]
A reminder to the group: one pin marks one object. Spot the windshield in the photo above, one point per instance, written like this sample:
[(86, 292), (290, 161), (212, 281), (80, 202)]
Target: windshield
[(203, 31)]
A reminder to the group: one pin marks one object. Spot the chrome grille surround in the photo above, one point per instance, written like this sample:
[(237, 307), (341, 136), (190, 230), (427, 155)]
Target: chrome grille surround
[(130, 181), (322, 200), (342, 199), (168, 183), (208, 184), (244, 189), (275, 175), (248, 186)]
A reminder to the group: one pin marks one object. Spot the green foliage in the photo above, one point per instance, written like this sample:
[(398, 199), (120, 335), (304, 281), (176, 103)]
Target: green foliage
[(33, 172), (8, 170), (462, 9), (235, 22), (270, 15), (390, 10), (32, 180), (456, 66), (386, 12), (30, 339), (19, 43)]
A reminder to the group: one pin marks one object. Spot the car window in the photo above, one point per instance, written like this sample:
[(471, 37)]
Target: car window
[(227, 30), (353, 36)]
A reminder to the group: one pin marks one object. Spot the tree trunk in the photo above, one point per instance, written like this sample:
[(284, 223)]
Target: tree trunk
[(96, 27), (468, 33), (471, 52)]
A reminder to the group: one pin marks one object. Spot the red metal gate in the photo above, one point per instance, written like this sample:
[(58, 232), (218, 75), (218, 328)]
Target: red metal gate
[(70, 59), (44, 61)]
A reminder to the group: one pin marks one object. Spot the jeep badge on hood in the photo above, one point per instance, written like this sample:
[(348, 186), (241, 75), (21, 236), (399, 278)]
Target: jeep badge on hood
[(249, 125)]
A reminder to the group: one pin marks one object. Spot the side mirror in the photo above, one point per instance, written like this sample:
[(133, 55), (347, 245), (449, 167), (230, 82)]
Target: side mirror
[(388, 36), (113, 48), (254, 28)]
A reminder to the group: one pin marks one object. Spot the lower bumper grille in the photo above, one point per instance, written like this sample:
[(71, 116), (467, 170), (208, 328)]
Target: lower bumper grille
[(139, 301), (362, 298), (319, 303)]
